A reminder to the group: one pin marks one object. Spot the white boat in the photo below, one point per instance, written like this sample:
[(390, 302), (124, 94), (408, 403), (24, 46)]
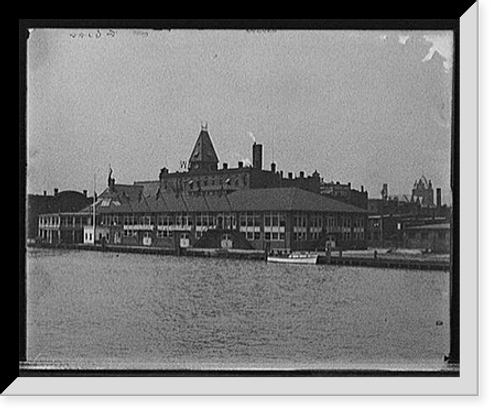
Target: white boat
[(294, 258)]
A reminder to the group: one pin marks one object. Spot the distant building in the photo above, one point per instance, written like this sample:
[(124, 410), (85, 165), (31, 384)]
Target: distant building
[(344, 193), (389, 216), (423, 192), (432, 237), (60, 201)]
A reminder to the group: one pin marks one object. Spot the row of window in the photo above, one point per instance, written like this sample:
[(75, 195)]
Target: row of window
[(268, 236), (248, 221), (427, 235), (63, 221), (220, 181)]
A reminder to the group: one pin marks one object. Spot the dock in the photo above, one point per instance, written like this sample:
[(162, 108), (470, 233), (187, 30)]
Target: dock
[(381, 261), (393, 262)]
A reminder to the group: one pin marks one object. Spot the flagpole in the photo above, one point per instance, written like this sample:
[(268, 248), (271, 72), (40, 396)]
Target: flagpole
[(93, 208)]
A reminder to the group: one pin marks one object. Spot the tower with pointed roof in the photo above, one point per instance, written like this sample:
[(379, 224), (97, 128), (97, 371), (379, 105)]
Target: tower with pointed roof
[(203, 158)]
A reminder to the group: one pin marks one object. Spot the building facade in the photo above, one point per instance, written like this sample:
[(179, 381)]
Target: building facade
[(429, 237), (423, 192), (204, 176), (59, 202), (245, 207), (284, 218), (344, 193)]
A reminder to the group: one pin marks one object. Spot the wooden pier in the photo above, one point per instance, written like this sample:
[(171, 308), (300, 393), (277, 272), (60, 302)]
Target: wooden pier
[(393, 262)]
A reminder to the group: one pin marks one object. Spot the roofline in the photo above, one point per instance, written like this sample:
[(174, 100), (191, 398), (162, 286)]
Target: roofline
[(69, 213)]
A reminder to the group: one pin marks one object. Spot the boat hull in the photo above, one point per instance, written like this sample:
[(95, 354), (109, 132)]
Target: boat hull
[(309, 260)]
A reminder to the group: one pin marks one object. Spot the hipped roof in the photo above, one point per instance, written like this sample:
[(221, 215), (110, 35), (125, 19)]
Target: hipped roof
[(150, 198)]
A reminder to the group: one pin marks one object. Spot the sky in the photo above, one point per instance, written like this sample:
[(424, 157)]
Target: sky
[(366, 107)]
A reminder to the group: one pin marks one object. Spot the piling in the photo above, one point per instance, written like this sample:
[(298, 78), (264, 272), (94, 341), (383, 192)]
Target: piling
[(328, 254)]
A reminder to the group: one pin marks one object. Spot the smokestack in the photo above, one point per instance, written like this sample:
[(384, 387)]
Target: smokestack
[(362, 189), (257, 155), (438, 197), (273, 167)]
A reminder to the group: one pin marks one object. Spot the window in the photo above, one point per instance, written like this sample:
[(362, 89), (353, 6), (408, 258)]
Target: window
[(299, 236), (282, 220), (249, 220), (145, 220), (165, 233)]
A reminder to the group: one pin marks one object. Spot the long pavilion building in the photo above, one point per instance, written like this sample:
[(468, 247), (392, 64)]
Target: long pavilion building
[(245, 207)]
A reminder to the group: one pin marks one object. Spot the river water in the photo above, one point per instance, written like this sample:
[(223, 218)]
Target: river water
[(164, 312)]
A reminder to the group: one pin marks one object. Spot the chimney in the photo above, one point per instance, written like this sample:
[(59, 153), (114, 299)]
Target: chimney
[(362, 189), (273, 167), (163, 177), (290, 175), (257, 155), (45, 193), (438, 197), (281, 174), (224, 165), (301, 174), (56, 191), (85, 193), (349, 185), (240, 164)]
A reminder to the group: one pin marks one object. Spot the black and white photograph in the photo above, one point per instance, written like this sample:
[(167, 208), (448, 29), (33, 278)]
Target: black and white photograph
[(242, 201)]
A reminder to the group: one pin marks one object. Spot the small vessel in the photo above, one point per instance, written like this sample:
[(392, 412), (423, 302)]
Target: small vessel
[(294, 258)]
